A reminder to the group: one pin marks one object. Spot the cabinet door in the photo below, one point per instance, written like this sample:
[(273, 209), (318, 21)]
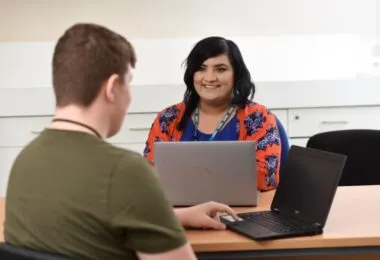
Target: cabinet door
[(7, 157), (18, 131), (310, 121)]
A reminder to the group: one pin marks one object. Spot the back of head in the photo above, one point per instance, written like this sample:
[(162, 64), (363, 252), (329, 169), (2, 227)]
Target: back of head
[(85, 56)]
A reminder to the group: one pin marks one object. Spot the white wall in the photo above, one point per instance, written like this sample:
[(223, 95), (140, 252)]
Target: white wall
[(310, 57), (44, 20), (281, 40)]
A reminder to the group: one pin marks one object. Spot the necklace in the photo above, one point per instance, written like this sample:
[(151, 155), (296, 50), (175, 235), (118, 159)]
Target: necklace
[(220, 126), (78, 123)]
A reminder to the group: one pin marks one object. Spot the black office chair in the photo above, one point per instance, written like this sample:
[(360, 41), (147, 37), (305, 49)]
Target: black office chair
[(9, 252), (362, 150)]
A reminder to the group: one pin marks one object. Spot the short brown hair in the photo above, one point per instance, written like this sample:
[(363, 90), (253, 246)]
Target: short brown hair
[(84, 57)]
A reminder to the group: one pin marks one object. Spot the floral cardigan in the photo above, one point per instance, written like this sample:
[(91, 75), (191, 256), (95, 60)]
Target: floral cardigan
[(255, 122)]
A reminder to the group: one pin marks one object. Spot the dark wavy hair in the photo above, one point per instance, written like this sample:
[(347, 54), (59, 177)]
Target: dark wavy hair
[(210, 47)]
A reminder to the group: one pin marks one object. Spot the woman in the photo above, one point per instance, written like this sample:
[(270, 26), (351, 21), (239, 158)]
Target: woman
[(217, 106)]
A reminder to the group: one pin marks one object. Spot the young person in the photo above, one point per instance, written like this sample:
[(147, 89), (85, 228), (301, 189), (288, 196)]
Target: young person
[(72, 193)]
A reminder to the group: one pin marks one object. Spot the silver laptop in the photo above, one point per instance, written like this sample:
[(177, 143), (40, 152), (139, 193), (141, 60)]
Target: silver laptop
[(197, 172)]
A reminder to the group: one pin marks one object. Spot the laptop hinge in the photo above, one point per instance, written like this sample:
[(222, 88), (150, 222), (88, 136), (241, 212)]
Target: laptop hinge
[(317, 225)]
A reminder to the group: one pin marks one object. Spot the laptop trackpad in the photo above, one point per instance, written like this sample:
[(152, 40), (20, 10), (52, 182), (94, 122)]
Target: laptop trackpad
[(253, 229)]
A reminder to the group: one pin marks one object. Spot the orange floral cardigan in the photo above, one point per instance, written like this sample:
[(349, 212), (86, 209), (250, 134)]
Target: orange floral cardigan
[(255, 122)]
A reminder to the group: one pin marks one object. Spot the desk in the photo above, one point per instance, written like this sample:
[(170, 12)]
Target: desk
[(353, 228)]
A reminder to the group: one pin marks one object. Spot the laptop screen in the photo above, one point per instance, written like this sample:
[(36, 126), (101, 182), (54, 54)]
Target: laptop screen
[(308, 184)]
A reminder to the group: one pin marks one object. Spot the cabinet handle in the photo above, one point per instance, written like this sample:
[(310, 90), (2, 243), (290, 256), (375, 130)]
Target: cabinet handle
[(139, 128), (334, 122), (36, 132)]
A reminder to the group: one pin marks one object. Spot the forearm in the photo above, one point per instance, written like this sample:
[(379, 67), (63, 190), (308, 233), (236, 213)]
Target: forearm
[(181, 215)]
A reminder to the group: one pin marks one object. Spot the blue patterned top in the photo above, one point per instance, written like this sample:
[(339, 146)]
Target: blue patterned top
[(230, 132)]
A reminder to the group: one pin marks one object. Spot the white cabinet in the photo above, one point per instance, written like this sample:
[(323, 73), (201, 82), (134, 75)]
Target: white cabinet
[(307, 122), (18, 131)]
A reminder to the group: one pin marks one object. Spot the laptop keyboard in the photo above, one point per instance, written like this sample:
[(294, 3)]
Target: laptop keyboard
[(273, 221)]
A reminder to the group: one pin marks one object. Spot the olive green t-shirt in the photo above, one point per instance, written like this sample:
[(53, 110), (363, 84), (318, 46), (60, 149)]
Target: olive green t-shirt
[(74, 194)]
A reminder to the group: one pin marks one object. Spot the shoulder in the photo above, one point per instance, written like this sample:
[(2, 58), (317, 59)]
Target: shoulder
[(112, 156), (93, 151), (137, 202), (172, 111), (114, 152), (168, 118), (256, 118), (133, 161), (125, 160), (255, 108), (132, 172), (133, 168)]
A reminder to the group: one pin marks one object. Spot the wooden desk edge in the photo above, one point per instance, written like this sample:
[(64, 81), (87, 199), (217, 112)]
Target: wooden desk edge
[(286, 244)]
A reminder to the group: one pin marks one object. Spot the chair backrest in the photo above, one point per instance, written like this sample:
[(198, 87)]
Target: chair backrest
[(284, 143), (361, 147), (10, 252)]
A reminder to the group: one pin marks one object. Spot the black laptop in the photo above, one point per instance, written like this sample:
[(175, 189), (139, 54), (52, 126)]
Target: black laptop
[(303, 199)]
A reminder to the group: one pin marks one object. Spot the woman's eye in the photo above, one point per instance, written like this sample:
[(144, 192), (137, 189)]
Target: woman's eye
[(221, 69)]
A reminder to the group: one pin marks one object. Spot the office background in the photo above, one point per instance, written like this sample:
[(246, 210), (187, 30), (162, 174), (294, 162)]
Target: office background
[(314, 62)]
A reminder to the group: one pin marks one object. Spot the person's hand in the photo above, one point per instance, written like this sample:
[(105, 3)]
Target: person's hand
[(204, 215)]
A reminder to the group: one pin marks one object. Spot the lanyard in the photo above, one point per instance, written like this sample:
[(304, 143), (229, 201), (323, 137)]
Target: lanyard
[(220, 126)]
